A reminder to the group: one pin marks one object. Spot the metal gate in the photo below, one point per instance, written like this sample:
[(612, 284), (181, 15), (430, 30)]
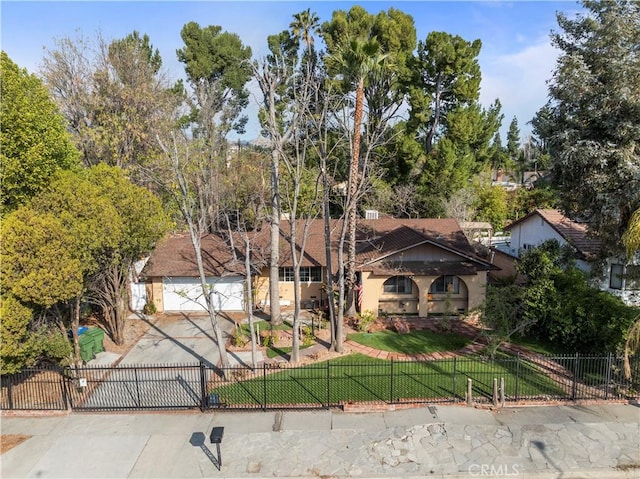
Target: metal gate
[(136, 387)]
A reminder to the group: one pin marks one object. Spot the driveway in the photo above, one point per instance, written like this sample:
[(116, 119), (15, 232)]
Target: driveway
[(179, 339)]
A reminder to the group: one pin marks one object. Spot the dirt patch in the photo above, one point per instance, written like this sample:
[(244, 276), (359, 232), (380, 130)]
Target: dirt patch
[(134, 329), (9, 441)]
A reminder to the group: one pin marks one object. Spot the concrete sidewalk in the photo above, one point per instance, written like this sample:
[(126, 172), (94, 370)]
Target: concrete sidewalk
[(601, 441)]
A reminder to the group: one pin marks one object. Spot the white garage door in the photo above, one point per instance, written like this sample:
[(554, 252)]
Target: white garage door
[(185, 294)]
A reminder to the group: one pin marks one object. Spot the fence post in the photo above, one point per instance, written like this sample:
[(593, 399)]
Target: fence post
[(574, 389), (502, 392), (391, 384), (203, 387), (608, 375), (63, 387), (495, 391), (135, 375), (455, 368), (469, 392), (517, 391), (264, 386), (328, 384)]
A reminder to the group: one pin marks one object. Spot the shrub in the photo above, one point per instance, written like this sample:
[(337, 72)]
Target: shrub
[(239, 337), (364, 320), (150, 308)]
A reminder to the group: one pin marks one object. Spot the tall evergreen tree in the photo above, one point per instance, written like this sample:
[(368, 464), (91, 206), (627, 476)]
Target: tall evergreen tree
[(592, 121)]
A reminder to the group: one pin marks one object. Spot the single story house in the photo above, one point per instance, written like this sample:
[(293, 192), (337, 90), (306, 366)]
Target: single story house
[(405, 266)]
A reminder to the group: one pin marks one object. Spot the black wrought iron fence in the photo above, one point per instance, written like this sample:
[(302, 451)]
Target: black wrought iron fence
[(322, 385)]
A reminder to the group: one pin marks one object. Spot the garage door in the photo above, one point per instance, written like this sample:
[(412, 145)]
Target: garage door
[(185, 294)]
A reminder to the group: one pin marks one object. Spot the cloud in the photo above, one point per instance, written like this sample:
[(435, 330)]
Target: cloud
[(519, 80)]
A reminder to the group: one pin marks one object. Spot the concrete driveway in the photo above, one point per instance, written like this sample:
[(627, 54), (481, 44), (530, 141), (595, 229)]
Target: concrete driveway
[(179, 338)]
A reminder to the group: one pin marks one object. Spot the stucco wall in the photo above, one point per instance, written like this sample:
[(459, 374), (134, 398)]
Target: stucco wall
[(309, 292), (471, 295), (154, 291)]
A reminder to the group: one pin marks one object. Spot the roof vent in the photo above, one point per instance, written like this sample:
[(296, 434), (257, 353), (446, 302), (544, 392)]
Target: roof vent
[(371, 214)]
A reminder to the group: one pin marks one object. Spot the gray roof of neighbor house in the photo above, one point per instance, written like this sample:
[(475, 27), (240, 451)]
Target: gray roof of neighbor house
[(576, 234), (174, 256)]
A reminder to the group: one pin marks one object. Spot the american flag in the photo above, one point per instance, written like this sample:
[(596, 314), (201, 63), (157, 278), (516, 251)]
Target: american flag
[(359, 295)]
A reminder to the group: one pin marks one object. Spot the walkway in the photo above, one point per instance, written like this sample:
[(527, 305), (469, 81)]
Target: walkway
[(436, 442)]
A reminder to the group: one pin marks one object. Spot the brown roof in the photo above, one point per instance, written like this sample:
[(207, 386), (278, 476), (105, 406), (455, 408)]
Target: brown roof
[(175, 256), (422, 268), (376, 239), (576, 234)]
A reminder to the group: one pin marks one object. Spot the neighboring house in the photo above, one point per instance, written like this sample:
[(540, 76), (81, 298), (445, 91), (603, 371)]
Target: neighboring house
[(405, 266), (546, 224)]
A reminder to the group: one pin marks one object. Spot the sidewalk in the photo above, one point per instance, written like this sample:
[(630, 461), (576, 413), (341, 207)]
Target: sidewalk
[(601, 441)]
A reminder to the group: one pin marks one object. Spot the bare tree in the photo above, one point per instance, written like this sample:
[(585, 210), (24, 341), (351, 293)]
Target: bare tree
[(184, 193)]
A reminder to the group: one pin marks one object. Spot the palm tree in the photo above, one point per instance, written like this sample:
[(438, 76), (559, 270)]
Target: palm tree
[(356, 61), (304, 25), (631, 241)]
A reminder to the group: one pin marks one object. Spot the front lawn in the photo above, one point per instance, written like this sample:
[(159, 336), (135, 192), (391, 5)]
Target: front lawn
[(415, 342), (360, 378)]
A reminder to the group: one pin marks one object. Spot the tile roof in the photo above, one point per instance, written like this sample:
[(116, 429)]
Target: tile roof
[(576, 234), (376, 239)]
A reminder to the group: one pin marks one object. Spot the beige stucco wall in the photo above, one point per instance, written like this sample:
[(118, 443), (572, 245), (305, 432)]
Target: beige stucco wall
[(311, 294), (154, 291), (472, 293)]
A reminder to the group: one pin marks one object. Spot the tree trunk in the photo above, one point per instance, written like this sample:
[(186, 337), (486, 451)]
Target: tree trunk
[(249, 286), (274, 278), (352, 200)]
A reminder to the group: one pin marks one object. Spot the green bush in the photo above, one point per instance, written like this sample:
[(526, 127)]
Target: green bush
[(150, 308), (364, 320)]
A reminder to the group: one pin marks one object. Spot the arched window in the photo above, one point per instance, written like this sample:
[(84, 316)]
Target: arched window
[(398, 285), (445, 284)]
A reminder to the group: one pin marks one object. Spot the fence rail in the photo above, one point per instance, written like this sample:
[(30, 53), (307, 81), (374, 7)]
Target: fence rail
[(322, 385)]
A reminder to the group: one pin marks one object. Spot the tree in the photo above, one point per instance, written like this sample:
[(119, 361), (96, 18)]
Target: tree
[(304, 25), (591, 122), (446, 76), (448, 134), (114, 95), (34, 143), (92, 221), (143, 222), (182, 183), (217, 68), (513, 148), (631, 240), (367, 54), (39, 271)]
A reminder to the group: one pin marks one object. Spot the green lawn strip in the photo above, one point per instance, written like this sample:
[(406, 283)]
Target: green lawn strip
[(360, 378), (415, 342), (274, 351)]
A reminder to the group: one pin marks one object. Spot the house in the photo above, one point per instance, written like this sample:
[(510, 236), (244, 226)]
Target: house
[(548, 224), (405, 266), (616, 276), (173, 280)]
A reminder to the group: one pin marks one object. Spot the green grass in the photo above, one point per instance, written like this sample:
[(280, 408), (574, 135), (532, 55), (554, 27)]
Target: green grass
[(360, 378), (274, 351), (538, 346), (415, 342)]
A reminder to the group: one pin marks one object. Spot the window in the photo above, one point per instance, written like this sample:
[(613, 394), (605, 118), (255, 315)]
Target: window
[(308, 274), (398, 285), (445, 284), (632, 277), (615, 279)]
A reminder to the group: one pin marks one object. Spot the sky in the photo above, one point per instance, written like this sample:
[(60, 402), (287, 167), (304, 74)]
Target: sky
[(516, 58)]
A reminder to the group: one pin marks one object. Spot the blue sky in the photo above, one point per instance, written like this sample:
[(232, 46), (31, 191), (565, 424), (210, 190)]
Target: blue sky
[(516, 57)]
